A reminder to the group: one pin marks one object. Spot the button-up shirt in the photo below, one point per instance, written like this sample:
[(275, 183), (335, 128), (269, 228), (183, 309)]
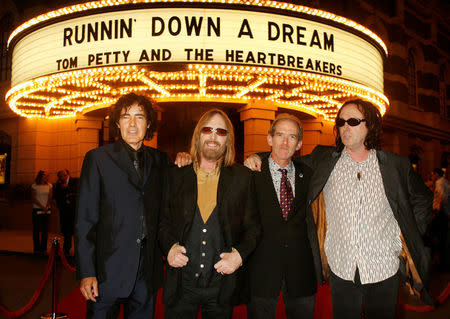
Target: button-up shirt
[(276, 175), (207, 184), (361, 228)]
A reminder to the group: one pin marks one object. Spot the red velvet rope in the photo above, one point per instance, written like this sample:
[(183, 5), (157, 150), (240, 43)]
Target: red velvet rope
[(64, 260), (14, 314)]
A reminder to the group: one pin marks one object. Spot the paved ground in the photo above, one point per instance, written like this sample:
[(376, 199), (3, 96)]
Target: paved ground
[(21, 271)]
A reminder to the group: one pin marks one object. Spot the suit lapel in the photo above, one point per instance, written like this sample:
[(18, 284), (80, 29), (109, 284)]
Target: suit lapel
[(225, 181), (389, 182), (321, 174), (148, 160), (121, 157), (188, 189), (300, 191), (267, 180)]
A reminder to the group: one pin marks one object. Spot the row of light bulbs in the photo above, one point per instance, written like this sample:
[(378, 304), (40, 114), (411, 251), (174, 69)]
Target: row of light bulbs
[(89, 89)]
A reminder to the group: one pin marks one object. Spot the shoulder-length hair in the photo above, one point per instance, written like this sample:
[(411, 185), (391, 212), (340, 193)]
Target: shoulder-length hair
[(373, 124), (125, 102), (39, 178), (228, 157)]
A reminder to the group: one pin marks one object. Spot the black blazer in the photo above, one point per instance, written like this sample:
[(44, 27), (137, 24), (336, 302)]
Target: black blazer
[(286, 246), (108, 223), (239, 222), (409, 198)]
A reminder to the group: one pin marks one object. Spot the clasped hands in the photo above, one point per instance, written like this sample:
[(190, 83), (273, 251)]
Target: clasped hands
[(227, 264)]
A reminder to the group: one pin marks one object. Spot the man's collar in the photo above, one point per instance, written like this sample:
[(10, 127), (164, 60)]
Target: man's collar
[(272, 164)]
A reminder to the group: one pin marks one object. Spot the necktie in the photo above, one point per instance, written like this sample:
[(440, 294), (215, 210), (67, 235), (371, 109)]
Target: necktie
[(286, 196), (137, 165)]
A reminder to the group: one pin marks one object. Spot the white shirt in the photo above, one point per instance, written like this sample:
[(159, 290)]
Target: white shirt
[(361, 228), (42, 191)]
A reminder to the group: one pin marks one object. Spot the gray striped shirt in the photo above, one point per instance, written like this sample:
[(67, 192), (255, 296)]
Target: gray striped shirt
[(361, 228)]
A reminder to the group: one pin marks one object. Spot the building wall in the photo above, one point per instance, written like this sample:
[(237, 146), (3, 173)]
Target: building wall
[(416, 78)]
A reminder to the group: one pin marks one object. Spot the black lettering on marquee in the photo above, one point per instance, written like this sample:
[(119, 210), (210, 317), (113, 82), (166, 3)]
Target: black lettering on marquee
[(250, 58), (144, 56), (328, 42), (90, 31), (300, 35), (177, 27), (270, 27), (261, 58), (291, 61), (288, 30), (309, 65), (339, 70), (214, 26), (155, 21), (193, 24), (64, 64), (245, 29), (318, 67), (315, 40)]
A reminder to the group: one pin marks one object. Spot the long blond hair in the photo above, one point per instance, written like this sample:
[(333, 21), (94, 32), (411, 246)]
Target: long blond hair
[(228, 158)]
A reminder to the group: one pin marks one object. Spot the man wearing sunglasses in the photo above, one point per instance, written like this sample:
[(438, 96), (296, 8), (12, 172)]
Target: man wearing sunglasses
[(209, 225), (377, 209)]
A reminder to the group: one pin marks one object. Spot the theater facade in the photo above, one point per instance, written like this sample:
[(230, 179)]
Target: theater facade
[(254, 59)]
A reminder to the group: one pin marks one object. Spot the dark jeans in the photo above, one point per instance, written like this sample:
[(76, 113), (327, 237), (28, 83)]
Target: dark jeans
[(193, 298), (40, 230), (297, 307), (138, 305), (348, 298)]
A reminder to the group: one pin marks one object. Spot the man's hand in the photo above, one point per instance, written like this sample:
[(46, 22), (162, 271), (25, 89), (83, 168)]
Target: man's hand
[(253, 162), (229, 262), (183, 159), (89, 288), (176, 256)]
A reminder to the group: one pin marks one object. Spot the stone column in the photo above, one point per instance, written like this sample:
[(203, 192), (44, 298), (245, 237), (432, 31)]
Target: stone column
[(87, 129), (257, 117)]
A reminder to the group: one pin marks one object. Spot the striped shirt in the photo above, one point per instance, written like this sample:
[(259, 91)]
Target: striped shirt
[(361, 228)]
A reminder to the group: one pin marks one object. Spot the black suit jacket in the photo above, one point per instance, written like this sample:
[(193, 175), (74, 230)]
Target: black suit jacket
[(286, 246), (409, 198), (108, 223), (239, 222)]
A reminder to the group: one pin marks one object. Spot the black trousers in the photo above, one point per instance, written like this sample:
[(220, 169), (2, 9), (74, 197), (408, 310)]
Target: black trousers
[(295, 307), (40, 230), (348, 298), (139, 304), (193, 298), (67, 221)]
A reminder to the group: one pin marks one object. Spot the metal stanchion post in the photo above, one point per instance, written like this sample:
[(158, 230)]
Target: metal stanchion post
[(54, 314)]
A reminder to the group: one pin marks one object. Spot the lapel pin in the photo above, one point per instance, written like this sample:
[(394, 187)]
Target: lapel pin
[(300, 175)]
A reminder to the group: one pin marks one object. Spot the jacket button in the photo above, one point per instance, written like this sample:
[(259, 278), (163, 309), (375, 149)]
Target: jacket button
[(138, 240), (286, 245)]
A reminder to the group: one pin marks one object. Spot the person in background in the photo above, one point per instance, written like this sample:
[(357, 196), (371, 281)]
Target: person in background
[(65, 194), (439, 223), (41, 195)]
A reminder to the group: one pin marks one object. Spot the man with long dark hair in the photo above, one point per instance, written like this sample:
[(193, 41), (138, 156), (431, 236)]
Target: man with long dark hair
[(377, 209), (118, 260), (209, 225)]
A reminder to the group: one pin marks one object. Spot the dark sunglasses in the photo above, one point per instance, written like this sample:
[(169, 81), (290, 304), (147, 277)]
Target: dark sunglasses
[(351, 121), (218, 131)]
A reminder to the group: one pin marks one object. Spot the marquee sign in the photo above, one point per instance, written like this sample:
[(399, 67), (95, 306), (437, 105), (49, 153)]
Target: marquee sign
[(276, 44)]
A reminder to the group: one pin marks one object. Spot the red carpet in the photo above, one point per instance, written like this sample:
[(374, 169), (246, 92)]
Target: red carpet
[(75, 305)]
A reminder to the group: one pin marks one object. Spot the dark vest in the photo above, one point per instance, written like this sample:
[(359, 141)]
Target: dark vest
[(204, 244)]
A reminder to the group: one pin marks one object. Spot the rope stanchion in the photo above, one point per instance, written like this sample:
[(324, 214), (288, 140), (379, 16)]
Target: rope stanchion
[(14, 314), (53, 314)]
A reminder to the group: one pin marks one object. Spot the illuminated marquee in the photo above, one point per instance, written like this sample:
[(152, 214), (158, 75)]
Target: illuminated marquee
[(303, 60)]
